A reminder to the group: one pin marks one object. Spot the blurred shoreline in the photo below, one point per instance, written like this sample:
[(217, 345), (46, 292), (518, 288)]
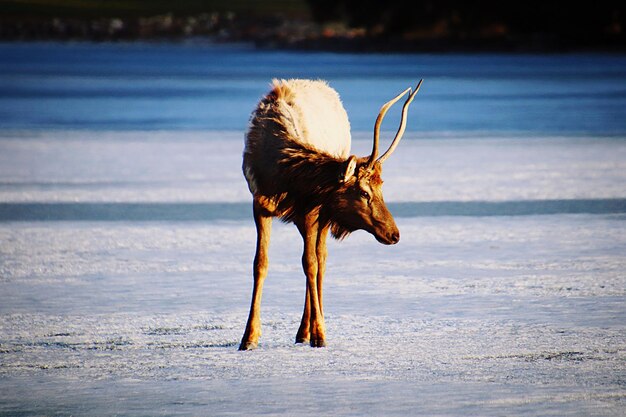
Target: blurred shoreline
[(285, 33)]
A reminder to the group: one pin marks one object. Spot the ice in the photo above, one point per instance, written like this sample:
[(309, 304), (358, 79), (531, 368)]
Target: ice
[(114, 167), (205, 167), (482, 315)]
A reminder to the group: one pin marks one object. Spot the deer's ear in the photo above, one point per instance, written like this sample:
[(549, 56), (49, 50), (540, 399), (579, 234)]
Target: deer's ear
[(349, 170)]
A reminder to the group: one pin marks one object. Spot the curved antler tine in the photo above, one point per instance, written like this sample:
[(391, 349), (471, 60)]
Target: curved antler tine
[(400, 131), (379, 120)]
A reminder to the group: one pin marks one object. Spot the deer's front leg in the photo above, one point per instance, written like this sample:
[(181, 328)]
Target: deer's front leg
[(322, 254), (309, 230), (303, 335), (263, 223)]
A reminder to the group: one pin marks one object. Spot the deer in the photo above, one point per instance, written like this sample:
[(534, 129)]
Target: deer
[(298, 167)]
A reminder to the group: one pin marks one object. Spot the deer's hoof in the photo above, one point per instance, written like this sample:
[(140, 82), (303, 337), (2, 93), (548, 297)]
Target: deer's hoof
[(248, 345), (302, 340), (318, 343)]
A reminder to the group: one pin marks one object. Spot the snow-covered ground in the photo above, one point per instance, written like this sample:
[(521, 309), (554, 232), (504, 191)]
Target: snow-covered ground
[(467, 315)]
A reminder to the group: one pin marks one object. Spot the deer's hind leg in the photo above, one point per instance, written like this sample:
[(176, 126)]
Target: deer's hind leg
[(263, 222)]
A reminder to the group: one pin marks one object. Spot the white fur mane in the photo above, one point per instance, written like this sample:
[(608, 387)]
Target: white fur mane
[(317, 115)]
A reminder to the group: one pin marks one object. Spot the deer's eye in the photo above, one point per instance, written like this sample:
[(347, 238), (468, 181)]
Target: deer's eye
[(365, 195)]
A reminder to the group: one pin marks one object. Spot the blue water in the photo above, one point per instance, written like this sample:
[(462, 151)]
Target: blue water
[(143, 86)]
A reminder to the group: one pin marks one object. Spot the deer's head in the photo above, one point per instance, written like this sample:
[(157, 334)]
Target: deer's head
[(359, 202)]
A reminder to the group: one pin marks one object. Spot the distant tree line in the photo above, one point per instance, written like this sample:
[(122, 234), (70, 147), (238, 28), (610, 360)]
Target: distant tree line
[(367, 25), (575, 22)]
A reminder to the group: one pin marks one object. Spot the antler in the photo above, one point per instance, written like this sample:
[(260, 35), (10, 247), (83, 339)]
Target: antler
[(379, 120), (399, 133)]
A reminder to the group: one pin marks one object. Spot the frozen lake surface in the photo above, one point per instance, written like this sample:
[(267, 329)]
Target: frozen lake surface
[(505, 296)]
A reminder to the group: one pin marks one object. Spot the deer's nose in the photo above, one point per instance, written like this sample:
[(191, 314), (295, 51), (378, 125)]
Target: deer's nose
[(394, 237)]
